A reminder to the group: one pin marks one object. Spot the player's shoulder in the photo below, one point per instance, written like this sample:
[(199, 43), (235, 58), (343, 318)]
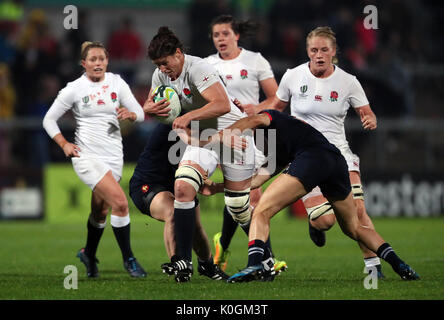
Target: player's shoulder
[(341, 72), (295, 72), (196, 65), (114, 78), (213, 59), (302, 68), (344, 76), (253, 57)]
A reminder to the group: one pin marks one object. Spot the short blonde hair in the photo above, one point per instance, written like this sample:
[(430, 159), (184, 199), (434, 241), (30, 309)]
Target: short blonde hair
[(325, 32), (88, 45)]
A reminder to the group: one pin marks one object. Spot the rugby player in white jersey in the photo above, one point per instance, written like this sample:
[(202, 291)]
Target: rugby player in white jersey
[(98, 100), (203, 99), (245, 73), (320, 93)]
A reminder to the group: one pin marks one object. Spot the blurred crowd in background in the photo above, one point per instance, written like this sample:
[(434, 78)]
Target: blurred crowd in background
[(400, 64)]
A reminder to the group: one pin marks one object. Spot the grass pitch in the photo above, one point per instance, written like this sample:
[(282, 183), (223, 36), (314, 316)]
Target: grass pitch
[(34, 254)]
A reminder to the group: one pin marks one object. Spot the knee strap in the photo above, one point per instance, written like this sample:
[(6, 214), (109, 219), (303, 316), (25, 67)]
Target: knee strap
[(320, 210), (238, 205), (191, 175), (358, 192)]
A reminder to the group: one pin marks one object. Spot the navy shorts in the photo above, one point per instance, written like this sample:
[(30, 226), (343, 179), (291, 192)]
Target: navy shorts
[(317, 166), (143, 193)]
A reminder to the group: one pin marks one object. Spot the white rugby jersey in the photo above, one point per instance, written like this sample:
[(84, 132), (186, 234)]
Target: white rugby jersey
[(322, 102), (93, 105), (243, 74), (196, 76)]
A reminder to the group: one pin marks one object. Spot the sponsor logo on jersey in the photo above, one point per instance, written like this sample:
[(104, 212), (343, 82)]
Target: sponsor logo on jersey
[(244, 74), (229, 77), (100, 102), (303, 89), (145, 188), (187, 93), (113, 96), (318, 98), (333, 96)]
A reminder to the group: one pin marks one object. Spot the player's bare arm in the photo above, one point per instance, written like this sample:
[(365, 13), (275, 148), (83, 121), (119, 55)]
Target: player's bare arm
[(367, 116), (218, 104)]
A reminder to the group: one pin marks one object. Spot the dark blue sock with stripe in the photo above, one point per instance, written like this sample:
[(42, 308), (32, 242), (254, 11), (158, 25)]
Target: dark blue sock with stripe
[(256, 249), (386, 252)]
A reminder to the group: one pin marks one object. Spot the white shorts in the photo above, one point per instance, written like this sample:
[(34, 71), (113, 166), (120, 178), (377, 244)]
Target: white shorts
[(235, 165), (91, 170), (352, 163), (259, 159)]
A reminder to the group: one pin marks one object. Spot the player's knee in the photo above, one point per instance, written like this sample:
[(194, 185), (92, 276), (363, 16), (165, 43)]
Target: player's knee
[(120, 205), (323, 210), (238, 205), (188, 182), (324, 223)]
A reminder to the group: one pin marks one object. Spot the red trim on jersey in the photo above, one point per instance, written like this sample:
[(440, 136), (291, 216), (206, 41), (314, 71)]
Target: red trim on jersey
[(269, 116)]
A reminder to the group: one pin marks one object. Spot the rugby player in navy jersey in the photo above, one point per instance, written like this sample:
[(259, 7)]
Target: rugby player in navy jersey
[(313, 161), (152, 191)]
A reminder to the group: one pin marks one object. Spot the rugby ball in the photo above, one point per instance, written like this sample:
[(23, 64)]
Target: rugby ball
[(168, 93)]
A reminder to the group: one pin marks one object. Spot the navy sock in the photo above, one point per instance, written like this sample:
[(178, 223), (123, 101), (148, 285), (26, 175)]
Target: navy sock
[(184, 225), (229, 227), (386, 252), (122, 235), (92, 239), (256, 249)]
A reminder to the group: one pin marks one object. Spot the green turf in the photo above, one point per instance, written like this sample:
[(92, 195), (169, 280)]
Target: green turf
[(34, 254)]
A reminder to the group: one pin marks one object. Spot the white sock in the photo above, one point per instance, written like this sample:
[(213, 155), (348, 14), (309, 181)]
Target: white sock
[(372, 262), (94, 223), (119, 222)]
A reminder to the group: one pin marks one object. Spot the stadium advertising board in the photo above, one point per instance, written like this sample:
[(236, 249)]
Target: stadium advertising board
[(66, 197)]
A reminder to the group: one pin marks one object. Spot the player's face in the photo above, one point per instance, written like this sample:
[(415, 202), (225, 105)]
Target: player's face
[(171, 65), (224, 39), (321, 51), (95, 64)]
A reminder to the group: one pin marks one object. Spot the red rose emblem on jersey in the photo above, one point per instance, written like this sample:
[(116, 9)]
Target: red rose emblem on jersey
[(187, 92), (244, 74), (334, 96), (113, 96)]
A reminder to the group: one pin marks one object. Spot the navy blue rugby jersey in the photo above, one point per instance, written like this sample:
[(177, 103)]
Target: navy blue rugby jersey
[(153, 165), (294, 136)]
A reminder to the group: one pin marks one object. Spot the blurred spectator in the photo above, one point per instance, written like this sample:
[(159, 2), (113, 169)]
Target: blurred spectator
[(7, 105), (125, 50), (70, 68), (37, 54), (37, 139), (200, 15)]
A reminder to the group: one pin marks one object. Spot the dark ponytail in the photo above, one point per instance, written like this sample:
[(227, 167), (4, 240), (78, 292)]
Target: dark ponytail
[(242, 28), (164, 43)]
